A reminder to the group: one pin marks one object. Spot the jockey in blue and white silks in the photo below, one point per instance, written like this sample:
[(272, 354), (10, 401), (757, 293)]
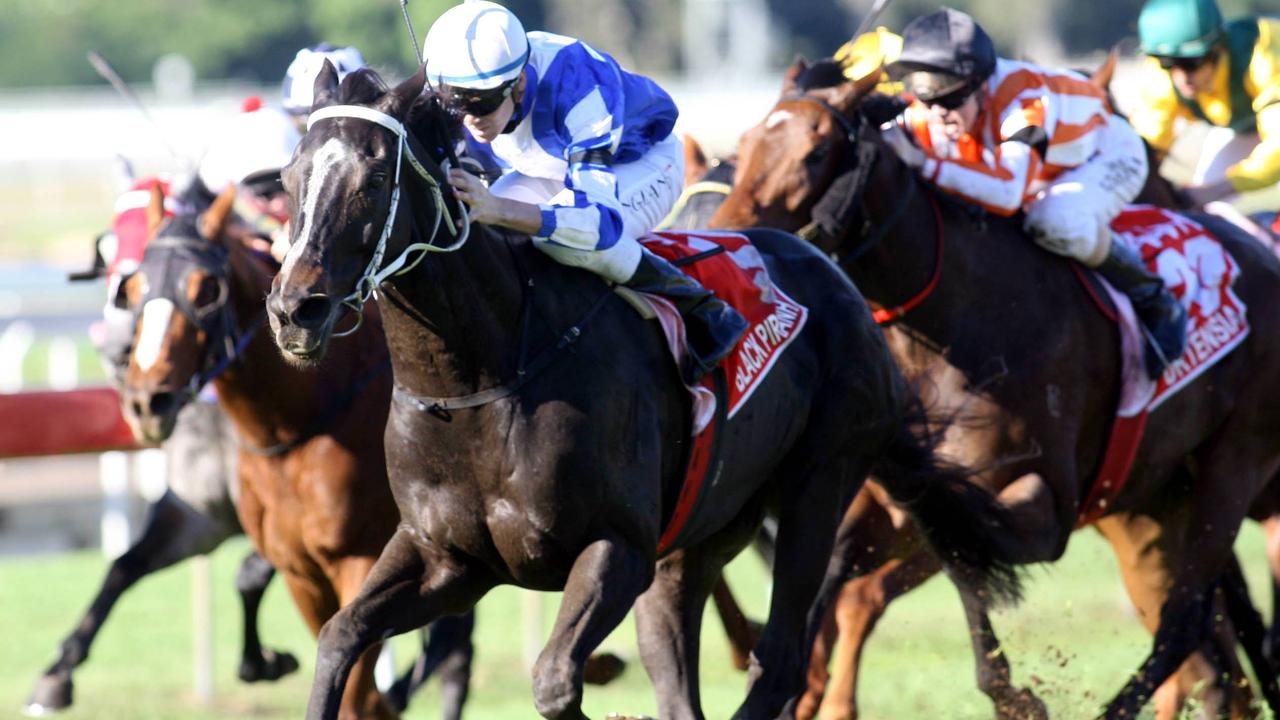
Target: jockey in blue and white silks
[(588, 159)]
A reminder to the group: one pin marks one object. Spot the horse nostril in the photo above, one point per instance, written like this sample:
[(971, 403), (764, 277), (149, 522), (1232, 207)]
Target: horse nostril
[(162, 404), (312, 312)]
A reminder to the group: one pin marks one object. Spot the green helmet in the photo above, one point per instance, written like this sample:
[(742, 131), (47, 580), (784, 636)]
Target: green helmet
[(1179, 28)]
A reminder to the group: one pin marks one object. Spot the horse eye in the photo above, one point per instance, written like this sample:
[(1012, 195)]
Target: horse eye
[(816, 156), (377, 181), (208, 294)]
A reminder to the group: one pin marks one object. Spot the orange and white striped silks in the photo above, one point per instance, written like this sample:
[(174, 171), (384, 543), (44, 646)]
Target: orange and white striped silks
[(984, 166)]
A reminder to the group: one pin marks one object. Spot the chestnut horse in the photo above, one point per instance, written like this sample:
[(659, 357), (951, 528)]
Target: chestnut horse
[(313, 488), (539, 430), (1036, 396)]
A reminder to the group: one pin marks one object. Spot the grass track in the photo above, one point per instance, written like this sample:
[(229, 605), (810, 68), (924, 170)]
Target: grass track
[(1073, 638)]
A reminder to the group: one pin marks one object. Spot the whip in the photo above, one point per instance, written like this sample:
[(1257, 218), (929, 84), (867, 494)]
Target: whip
[(109, 74)]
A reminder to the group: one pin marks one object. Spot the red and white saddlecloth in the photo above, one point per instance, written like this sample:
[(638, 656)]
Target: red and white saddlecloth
[(1200, 274), (738, 277)]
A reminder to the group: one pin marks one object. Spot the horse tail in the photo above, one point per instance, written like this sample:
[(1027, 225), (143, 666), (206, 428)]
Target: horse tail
[(964, 524)]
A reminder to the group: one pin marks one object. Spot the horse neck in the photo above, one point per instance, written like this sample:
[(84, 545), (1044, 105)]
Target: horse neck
[(899, 266), (450, 322), (268, 400)]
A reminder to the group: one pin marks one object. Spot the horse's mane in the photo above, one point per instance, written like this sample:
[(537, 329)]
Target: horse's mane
[(361, 87)]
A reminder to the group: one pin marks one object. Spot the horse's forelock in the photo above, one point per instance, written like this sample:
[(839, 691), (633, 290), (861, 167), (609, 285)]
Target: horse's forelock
[(361, 87)]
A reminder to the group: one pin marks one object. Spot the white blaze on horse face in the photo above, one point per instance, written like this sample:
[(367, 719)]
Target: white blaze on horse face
[(156, 315), (774, 118), (325, 159)]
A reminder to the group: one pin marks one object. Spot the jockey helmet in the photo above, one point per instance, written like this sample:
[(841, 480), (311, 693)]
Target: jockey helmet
[(1179, 28), (476, 51), (945, 56), (250, 149), (297, 91)]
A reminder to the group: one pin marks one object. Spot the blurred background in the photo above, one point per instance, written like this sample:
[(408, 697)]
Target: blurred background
[(66, 138)]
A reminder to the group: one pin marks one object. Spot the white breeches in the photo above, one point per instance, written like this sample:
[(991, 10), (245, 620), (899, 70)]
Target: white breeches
[(1072, 216), (647, 190), (1221, 149)]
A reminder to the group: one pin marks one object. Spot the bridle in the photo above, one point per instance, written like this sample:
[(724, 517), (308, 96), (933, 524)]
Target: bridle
[(838, 208), (374, 274), (178, 257)]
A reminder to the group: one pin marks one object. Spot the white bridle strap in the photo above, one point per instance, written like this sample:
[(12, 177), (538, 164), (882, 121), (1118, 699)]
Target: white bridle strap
[(374, 275)]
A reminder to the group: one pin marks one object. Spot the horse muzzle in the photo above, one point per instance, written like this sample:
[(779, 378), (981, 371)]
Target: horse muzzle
[(151, 414), (301, 322)]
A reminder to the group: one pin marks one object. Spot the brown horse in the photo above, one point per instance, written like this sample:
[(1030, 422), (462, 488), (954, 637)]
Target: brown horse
[(538, 437), (864, 599), (1036, 396), (313, 490)]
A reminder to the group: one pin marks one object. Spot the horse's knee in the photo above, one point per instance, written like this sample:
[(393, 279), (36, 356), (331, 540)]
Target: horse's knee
[(254, 574)]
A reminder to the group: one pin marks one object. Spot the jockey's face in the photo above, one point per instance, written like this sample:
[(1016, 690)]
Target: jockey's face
[(485, 128), (1193, 75), (958, 120)]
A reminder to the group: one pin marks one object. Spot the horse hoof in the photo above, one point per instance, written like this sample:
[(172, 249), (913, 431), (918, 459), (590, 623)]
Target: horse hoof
[(616, 716), (270, 667), (51, 694), (1022, 705), (603, 669)]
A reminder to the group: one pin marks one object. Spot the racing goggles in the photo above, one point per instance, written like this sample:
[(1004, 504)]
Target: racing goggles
[(1185, 64), (479, 103), (941, 89)]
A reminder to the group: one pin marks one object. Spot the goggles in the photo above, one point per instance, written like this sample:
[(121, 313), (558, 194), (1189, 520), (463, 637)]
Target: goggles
[(479, 103), (1185, 64)]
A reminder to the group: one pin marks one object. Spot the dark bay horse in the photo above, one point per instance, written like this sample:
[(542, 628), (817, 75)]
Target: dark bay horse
[(1034, 384), (538, 431), (864, 598), (313, 490)]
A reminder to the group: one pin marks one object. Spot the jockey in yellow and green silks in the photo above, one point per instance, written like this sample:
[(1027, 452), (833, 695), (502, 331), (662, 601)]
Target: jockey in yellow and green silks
[(1227, 74)]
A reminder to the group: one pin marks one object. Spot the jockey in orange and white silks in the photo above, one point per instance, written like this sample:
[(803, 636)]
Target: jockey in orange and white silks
[(1011, 136)]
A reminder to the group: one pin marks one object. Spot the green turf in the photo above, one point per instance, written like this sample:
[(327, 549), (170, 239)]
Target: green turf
[(1073, 638)]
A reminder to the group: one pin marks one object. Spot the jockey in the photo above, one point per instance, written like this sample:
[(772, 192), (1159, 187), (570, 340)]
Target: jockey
[(249, 151), (1010, 136), (589, 159), (297, 90), (1224, 73)]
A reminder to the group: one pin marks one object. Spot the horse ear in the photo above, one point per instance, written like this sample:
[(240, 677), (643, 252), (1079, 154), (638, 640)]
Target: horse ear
[(798, 66), (325, 91), (695, 160), (850, 93), (214, 220), (397, 102), (155, 210), (1102, 76)]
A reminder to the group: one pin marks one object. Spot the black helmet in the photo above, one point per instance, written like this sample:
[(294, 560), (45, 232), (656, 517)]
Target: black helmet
[(942, 53)]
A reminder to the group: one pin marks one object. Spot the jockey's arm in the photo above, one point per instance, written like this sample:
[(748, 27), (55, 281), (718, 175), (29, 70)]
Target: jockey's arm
[(1261, 169), (999, 181), (1157, 111)]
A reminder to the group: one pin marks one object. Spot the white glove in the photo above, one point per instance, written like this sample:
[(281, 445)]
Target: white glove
[(906, 148)]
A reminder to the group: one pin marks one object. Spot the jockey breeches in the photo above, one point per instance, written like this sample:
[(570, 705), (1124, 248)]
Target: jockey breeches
[(647, 190), (1072, 216), (1222, 148)]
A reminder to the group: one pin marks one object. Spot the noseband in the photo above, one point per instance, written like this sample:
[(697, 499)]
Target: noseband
[(374, 274)]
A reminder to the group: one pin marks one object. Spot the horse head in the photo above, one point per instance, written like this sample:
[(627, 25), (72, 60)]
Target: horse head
[(180, 296), (344, 186)]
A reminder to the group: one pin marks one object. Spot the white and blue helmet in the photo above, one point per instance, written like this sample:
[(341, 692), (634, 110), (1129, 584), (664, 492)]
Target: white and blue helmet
[(298, 90), (478, 45)]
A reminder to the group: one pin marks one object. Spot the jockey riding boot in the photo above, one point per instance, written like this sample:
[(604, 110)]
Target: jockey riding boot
[(712, 326), (1163, 318)]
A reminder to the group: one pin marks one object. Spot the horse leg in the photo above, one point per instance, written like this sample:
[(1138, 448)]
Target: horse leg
[(742, 633), (447, 649), (1271, 527), (1248, 624), (861, 604), (994, 677), (603, 584), (361, 698), (257, 664), (802, 591), (1143, 558), (1214, 506), (173, 531), (403, 592)]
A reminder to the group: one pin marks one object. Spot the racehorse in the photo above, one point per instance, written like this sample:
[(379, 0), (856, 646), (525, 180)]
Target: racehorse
[(864, 599), (538, 430), (194, 516), (1036, 395), (313, 491)]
